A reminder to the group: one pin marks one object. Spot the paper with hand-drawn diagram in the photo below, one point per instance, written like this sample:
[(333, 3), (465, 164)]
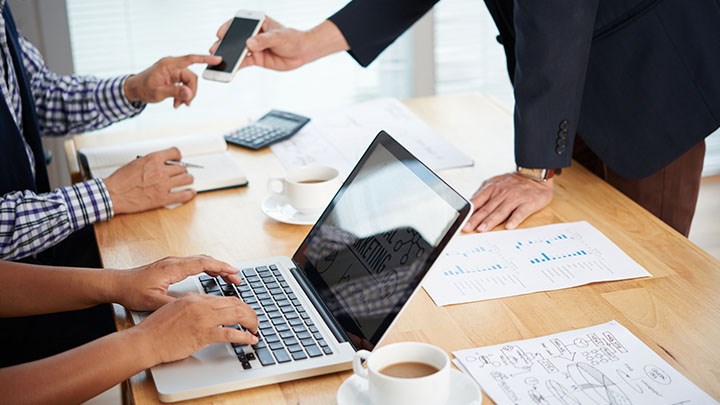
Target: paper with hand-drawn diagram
[(600, 365)]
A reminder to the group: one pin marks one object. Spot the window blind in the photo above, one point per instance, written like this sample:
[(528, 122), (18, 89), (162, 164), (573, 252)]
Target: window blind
[(467, 56), (111, 37)]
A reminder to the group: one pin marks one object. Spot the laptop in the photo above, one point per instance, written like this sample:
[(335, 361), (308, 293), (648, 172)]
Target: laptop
[(343, 288)]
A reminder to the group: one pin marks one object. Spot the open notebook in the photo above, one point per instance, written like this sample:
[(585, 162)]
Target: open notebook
[(218, 171)]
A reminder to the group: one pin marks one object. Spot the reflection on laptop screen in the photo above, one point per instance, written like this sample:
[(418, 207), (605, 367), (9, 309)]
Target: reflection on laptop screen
[(377, 239)]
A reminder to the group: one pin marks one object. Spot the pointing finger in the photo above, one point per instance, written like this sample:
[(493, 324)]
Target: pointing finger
[(187, 60)]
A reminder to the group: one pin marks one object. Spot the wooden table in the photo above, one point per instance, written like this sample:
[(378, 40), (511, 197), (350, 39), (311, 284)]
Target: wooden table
[(676, 312)]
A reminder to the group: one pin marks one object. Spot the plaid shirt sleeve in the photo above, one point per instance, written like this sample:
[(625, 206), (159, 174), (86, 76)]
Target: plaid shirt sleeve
[(31, 223), (74, 104)]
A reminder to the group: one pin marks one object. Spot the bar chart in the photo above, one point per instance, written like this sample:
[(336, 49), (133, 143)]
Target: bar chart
[(459, 270), (481, 258), (506, 263)]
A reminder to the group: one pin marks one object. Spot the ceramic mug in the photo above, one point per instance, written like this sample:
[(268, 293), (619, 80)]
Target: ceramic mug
[(308, 189), (431, 389)]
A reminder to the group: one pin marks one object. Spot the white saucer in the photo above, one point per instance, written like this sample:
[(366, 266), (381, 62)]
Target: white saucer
[(463, 390), (278, 208)]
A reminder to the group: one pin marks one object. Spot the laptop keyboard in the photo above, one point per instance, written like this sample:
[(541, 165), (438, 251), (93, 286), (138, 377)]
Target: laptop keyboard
[(285, 330)]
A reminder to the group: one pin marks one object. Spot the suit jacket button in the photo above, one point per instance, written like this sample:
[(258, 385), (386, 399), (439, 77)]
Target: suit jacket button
[(561, 142), (563, 133), (564, 124), (560, 149)]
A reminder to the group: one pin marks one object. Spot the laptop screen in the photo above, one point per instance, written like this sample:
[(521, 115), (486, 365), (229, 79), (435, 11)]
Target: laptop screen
[(378, 238)]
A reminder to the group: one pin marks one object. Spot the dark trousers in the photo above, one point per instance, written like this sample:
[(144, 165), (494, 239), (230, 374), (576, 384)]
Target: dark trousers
[(670, 194), (30, 338)]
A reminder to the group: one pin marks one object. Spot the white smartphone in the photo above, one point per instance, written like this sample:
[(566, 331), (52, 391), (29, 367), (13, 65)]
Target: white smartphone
[(232, 47)]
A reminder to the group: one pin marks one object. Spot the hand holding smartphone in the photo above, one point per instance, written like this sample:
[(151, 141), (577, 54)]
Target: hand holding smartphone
[(232, 48)]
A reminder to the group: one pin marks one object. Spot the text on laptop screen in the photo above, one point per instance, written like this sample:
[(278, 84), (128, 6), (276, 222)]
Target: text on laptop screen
[(372, 246)]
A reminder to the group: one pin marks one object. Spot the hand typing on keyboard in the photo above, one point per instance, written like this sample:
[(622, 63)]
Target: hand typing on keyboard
[(145, 288), (286, 331), (178, 329), (187, 324), (192, 322)]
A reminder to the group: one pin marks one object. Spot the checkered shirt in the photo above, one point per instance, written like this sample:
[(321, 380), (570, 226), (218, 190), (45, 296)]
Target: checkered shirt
[(30, 222)]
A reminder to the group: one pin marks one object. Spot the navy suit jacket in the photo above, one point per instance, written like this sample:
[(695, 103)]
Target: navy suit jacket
[(638, 79)]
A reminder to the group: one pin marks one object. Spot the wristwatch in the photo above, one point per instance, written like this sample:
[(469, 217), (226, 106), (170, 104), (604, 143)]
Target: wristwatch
[(537, 174)]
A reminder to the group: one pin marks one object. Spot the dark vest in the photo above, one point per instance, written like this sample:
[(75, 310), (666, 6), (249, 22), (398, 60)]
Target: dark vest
[(15, 171), (67, 329)]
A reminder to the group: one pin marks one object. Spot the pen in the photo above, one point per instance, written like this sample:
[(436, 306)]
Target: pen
[(183, 164), (179, 163)]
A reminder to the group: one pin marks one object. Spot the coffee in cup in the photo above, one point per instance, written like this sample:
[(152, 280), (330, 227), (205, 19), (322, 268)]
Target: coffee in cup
[(405, 373), (409, 369), (308, 189)]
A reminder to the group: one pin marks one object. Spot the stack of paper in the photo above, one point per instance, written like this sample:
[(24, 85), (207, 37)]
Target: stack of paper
[(602, 364)]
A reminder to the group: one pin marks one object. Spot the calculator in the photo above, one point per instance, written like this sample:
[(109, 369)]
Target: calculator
[(273, 127)]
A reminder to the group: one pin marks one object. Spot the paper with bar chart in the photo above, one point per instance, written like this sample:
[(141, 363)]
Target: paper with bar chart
[(506, 263)]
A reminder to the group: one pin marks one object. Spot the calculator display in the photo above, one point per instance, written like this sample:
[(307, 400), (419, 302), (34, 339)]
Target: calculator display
[(278, 122)]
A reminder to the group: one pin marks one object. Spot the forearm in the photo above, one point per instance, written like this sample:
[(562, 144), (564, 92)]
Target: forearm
[(73, 104), (25, 288), (325, 39), (31, 223), (549, 79), (79, 374), (370, 26)]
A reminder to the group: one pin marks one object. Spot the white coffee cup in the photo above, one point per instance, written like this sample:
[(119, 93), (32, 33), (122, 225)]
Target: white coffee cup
[(308, 188), (432, 389)]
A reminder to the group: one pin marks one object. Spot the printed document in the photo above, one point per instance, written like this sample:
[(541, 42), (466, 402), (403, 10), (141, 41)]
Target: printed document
[(602, 364), (505, 263), (339, 138)]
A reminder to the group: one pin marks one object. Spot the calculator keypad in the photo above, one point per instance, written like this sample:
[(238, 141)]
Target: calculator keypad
[(255, 136), (259, 134)]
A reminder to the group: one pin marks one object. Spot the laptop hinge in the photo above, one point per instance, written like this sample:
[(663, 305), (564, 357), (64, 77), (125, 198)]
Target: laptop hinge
[(324, 312)]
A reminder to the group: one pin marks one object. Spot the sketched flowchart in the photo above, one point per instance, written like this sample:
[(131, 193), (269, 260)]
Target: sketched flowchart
[(600, 365)]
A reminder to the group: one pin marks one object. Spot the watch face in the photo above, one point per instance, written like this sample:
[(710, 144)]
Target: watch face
[(535, 174)]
